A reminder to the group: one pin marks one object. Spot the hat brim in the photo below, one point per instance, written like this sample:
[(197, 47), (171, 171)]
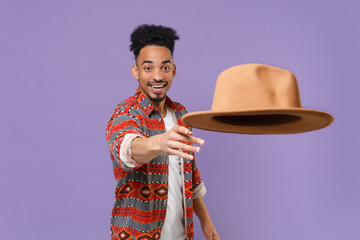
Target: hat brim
[(260, 121)]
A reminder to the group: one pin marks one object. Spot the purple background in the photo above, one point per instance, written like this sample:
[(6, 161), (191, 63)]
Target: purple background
[(64, 65)]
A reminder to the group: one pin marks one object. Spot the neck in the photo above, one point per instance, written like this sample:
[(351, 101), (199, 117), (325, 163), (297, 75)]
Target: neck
[(161, 107)]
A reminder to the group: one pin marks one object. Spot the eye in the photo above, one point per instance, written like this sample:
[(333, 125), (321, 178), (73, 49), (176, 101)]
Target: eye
[(147, 69), (166, 68)]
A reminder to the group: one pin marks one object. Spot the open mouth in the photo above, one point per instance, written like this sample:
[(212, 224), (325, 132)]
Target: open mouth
[(157, 87)]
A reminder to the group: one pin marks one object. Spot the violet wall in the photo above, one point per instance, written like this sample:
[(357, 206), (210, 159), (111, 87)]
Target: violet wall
[(64, 65)]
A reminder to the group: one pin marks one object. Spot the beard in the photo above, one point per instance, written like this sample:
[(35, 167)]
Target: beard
[(158, 99)]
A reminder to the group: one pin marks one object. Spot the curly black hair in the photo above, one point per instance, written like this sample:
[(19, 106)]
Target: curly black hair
[(145, 35)]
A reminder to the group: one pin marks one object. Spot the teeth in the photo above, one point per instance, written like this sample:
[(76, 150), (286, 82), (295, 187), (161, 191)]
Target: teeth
[(158, 86)]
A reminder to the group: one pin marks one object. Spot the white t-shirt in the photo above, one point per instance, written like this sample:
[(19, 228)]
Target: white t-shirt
[(174, 225)]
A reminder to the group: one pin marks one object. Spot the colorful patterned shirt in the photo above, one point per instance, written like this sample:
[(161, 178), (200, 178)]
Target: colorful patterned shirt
[(141, 190)]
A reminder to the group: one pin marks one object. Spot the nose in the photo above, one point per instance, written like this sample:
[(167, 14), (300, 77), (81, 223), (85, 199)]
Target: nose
[(157, 75)]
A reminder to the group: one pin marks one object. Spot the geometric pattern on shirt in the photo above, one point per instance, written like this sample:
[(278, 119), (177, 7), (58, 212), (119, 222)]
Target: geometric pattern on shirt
[(127, 189), (161, 191), (142, 191), (135, 211), (145, 237), (123, 235), (145, 192), (156, 235)]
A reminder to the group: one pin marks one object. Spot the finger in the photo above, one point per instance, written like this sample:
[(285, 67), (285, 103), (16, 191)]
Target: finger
[(182, 130), (183, 134), (181, 154), (185, 147), (192, 139), (196, 140)]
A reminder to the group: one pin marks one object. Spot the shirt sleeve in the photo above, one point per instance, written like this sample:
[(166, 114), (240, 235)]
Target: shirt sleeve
[(199, 188), (122, 128), (125, 150), (199, 191)]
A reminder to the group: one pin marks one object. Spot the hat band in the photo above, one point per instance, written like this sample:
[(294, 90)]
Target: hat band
[(256, 120)]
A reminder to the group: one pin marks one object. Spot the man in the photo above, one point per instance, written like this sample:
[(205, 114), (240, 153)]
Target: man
[(158, 183)]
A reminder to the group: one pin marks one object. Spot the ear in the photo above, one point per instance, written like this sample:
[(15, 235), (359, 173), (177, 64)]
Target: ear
[(135, 72), (174, 70)]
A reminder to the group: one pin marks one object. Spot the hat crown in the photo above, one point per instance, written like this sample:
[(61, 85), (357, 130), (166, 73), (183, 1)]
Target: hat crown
[(255, 86)]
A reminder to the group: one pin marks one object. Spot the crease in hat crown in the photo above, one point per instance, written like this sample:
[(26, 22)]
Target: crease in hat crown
[(255, 86), (258, 90)]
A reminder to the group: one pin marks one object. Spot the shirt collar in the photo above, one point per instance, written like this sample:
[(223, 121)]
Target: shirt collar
[(148, 107)]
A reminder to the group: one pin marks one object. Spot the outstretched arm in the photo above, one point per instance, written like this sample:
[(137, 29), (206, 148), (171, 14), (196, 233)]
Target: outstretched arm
[(144, 150), (205, 220)]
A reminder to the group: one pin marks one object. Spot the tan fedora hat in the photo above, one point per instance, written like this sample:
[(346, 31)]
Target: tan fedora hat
[(257, 99)]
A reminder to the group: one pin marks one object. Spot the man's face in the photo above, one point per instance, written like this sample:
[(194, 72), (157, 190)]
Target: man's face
[(154, 70)]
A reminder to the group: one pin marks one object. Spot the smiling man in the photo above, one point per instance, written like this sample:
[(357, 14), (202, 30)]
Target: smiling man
[(158, 183)]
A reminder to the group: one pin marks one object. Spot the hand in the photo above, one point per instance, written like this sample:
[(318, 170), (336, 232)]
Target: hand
[(209, 231), (172, 142)]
